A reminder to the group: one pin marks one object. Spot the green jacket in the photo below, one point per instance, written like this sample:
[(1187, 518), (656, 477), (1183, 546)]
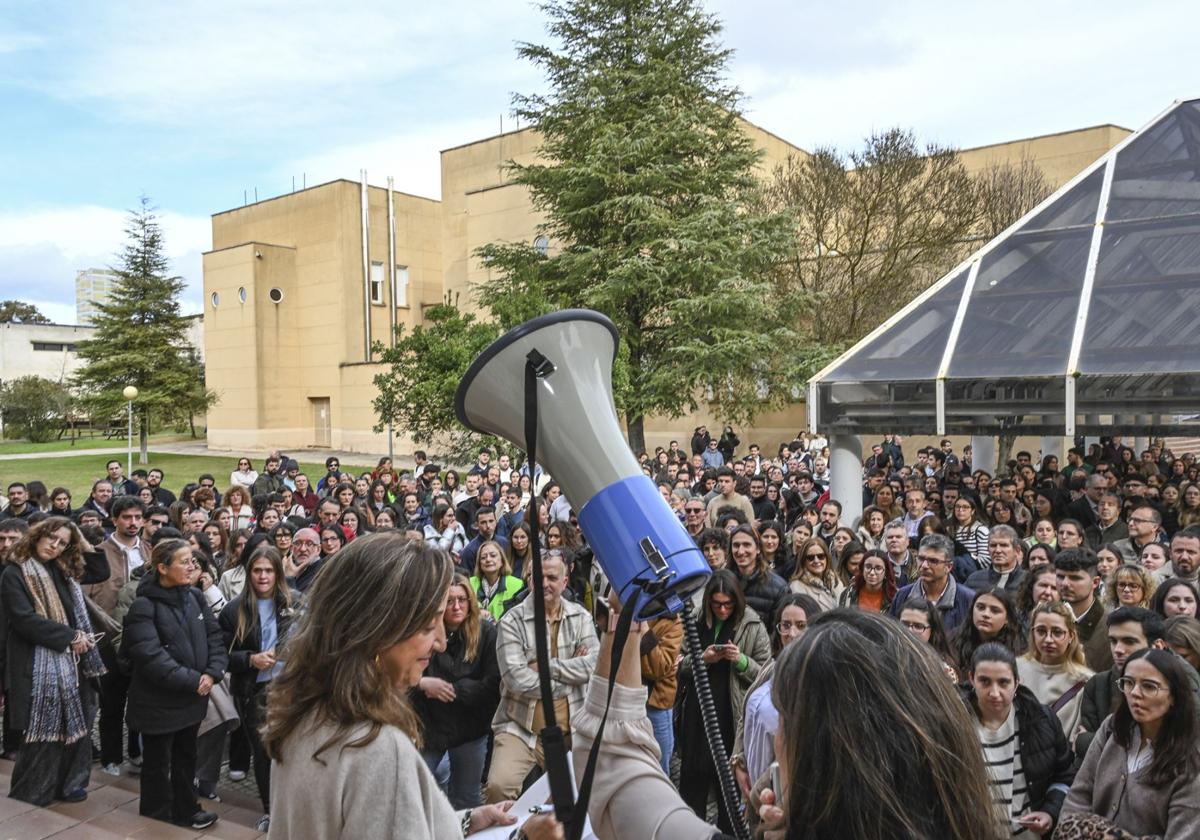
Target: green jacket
[(509, 587)]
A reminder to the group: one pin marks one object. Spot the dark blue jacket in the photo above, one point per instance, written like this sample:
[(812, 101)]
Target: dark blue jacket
[(953, 614)]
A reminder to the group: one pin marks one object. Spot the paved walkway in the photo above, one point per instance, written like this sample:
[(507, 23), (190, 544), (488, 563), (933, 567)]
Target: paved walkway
[(111, 813)]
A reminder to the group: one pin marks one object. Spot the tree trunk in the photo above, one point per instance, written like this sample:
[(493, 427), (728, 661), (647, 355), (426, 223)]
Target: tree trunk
[(637, 434), (192, 424), (143, 440)]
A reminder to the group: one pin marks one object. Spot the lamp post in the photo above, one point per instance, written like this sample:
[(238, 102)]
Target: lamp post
[(130, 394)]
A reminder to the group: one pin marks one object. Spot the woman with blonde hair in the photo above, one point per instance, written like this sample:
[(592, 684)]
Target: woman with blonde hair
[(1130, 585), (814, 575), (494, 584), (52, 664), (1054, 668), (341, 730), (459, 694)]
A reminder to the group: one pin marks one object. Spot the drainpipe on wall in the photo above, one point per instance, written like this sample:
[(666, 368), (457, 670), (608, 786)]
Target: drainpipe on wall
[(366, 266)]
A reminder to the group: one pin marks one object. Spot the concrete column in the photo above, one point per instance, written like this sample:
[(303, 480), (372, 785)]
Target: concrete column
[(1053, 445), (845, 464), (983, 453)]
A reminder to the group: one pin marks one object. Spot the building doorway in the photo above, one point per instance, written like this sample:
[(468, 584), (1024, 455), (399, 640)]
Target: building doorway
[(322, 422)]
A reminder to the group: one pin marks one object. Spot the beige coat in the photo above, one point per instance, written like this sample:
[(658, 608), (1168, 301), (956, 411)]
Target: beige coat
[(378, 792)]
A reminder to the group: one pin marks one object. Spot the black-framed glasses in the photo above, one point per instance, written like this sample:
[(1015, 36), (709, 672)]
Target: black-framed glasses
[(721, 605), (915, 626)]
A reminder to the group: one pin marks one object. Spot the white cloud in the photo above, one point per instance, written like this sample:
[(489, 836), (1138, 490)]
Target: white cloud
[(41, 249), (972, 76), (240, 68)]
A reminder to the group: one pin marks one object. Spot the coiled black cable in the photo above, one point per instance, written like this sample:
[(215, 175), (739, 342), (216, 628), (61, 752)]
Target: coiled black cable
[(712, 730)]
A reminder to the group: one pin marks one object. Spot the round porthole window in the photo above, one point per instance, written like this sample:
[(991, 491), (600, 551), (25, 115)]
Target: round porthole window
[(216, 299), (542, 245), (242, 294), (276, 294)]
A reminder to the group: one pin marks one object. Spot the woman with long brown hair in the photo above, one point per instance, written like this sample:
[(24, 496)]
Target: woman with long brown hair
[(52, 663), (458, 695), (341, 730), (255, 626)]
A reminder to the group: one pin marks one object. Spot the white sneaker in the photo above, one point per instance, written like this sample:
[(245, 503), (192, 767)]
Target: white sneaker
[(237, 775), (263, 824), (112, 769)]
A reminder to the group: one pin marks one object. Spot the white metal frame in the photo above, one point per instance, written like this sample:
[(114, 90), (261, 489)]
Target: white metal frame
[(951, 343)]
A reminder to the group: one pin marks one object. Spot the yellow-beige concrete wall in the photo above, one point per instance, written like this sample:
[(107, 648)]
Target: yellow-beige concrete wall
[(268, 361)]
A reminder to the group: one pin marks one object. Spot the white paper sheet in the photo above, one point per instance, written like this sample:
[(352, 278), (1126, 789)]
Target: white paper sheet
[(537, 794)]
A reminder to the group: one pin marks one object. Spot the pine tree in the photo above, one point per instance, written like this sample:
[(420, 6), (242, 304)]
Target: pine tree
[(139, 337), (648, 189)]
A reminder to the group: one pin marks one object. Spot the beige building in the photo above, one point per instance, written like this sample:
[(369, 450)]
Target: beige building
[(92, 286), (297, 287)]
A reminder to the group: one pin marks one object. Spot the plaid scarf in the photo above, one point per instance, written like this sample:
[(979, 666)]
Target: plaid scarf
[(56, 711)]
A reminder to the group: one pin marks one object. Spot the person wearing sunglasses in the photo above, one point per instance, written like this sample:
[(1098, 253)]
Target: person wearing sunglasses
[(1141, 774)]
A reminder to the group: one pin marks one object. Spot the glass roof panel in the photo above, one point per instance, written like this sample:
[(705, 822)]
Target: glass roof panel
[(912, 348), (1158, 172), (1022, 310), (1075, 207), (1142, 316)]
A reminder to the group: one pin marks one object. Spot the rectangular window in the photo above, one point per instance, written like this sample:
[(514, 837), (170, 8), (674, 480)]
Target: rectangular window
[(378, 283), (401, 295), (53, 346)]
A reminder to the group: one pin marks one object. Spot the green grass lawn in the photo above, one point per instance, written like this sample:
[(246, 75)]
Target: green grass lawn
[(77, 472), (22, 447)]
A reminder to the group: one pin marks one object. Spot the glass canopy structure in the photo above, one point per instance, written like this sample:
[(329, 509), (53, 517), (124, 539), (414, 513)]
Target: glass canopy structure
[(1081, 318)]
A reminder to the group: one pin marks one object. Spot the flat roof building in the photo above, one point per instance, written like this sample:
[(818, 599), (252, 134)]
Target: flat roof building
[(297, 287)]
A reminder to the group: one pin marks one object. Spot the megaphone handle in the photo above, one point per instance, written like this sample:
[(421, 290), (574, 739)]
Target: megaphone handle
[(712, 728), (554, 747)]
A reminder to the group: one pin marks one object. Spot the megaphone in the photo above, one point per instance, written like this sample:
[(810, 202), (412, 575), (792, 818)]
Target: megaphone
[(650, 560)]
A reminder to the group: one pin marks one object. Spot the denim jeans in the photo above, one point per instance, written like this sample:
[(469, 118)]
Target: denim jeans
[(664, 733), (463, 786)]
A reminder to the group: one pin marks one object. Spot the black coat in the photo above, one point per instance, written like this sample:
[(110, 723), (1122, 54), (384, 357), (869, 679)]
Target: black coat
[(1046, 757), (245, 675), (172, 638), (763, 591), (24, 629), (476, 692)]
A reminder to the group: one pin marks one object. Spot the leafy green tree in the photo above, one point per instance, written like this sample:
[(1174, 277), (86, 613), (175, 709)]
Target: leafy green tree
[(34, 408), (647, 183), (140, 337), (20, 312), (416, 395)]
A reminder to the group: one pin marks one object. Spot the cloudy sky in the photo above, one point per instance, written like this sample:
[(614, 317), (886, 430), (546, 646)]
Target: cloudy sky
[(198, 104)]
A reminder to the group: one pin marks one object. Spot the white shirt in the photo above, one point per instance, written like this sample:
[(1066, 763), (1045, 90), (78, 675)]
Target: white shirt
[(133, 553)]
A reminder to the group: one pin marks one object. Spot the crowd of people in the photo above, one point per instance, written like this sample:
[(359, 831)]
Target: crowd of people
[(1026, 643)]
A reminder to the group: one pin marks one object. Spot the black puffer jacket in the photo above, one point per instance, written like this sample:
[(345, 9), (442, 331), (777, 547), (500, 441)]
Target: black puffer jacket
[(1046, 757), (172, 638), (476, 691), (763, 591)]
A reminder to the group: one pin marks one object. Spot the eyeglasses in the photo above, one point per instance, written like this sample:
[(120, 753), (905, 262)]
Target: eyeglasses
[(817, 556), (721, 605), (1148, 688), (873, 570), (1052, 632), (929, 561), (693, 510), (915, 626), (1138, 520), (1129, 585), (788, 626)]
